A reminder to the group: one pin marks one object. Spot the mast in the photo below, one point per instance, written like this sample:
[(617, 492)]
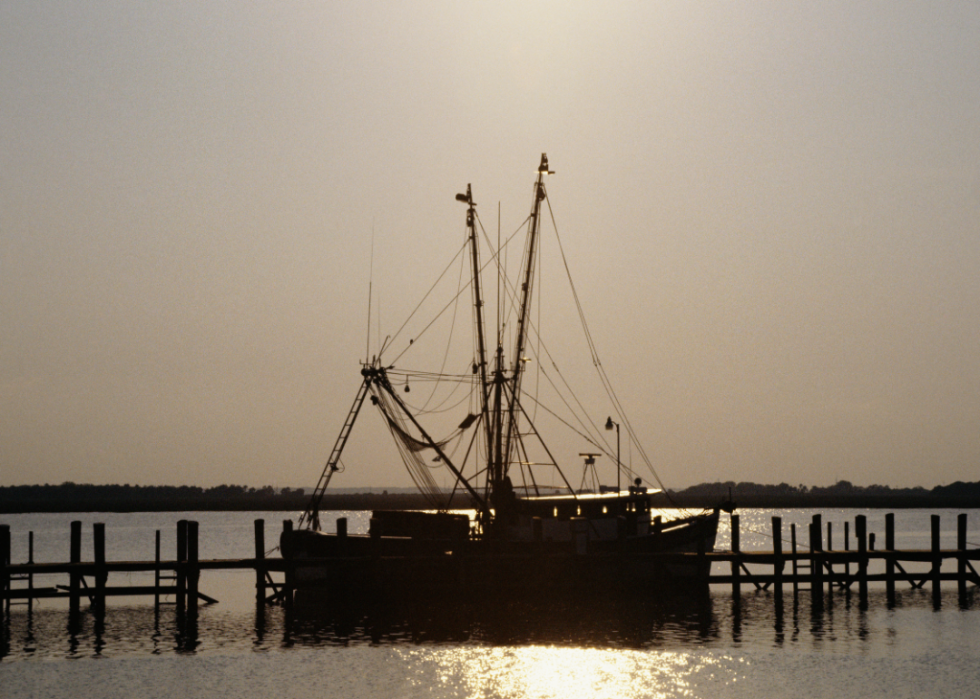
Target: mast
[(518, 367), (481, 358)]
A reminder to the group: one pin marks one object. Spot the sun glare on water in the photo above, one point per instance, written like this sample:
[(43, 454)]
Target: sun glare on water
[(574, 673)]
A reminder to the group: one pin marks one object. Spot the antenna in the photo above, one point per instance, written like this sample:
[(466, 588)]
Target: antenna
[(367, 352)]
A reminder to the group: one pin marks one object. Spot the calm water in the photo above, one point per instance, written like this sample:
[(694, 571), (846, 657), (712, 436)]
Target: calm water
[(702, 646)]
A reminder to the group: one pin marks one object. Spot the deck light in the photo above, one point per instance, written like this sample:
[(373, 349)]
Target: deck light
[(609, 425)]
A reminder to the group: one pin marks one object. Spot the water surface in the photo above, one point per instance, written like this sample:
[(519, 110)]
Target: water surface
[(704, 645)]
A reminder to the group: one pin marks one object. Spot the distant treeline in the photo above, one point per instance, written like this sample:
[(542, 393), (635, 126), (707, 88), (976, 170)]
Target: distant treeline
[(73, 497), (841, 494)]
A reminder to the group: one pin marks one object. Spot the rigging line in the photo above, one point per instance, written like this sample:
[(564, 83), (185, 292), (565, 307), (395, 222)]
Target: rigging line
[(595, 355), (410, 450), (449, 340), (440, 409), (427, 294), (502, 267), (469, 449), (596, 435), (522, 451), (537, 435), (509, 292), (451, 302), (533, 328), (539, 269), (415, 444), (584, 435), (444, 308), (409, 458), (571, 391), (494, 254), (423, 375)]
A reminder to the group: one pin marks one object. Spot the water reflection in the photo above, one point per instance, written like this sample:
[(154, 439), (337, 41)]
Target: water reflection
[(684, 622), (592, 623)]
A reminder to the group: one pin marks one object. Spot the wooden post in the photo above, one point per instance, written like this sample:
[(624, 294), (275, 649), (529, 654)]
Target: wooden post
[(830, 572), (260, 561), (961, 559), (890, 560), (98, 550), (4, 574), (847, 547), (792, 542), (777, 566), (156, 574), (30, 576), (193, 569), (181, 566), (289, 580), (937, 562), (736, 568), (816, 562), (74, 578), (861, 534)]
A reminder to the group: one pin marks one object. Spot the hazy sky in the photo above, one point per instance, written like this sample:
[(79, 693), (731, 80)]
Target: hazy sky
[(771, 209)]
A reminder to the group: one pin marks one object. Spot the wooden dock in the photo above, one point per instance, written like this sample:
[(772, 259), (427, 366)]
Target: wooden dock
[(821, 567), (177, 577), (813, 567)]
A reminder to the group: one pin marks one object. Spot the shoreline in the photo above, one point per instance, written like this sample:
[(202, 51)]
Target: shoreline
[(373, 501)]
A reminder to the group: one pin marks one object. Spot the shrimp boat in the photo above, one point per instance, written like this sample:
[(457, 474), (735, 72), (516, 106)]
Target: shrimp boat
[(520, 537)]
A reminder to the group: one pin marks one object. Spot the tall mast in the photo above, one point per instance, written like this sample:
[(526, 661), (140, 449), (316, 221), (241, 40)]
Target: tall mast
[(518, 367), (481, 359)]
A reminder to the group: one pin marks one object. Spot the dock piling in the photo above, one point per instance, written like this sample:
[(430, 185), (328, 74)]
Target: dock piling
[(816, 561), (736, 548), (193, 569), (777, 550), (75, 578), (181, 572), (861, 534), (796, 562), (961, 565), (30, 576), (937, 561), (289, 579), (156, 572), (4, 563), (890, 560), (260, 569), (98, 550)]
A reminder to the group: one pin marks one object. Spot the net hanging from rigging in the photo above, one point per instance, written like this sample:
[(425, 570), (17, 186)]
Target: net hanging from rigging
[(411, 450)]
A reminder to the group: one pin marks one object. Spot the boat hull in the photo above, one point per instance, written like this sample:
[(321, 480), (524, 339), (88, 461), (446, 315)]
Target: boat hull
[(386, 567)]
